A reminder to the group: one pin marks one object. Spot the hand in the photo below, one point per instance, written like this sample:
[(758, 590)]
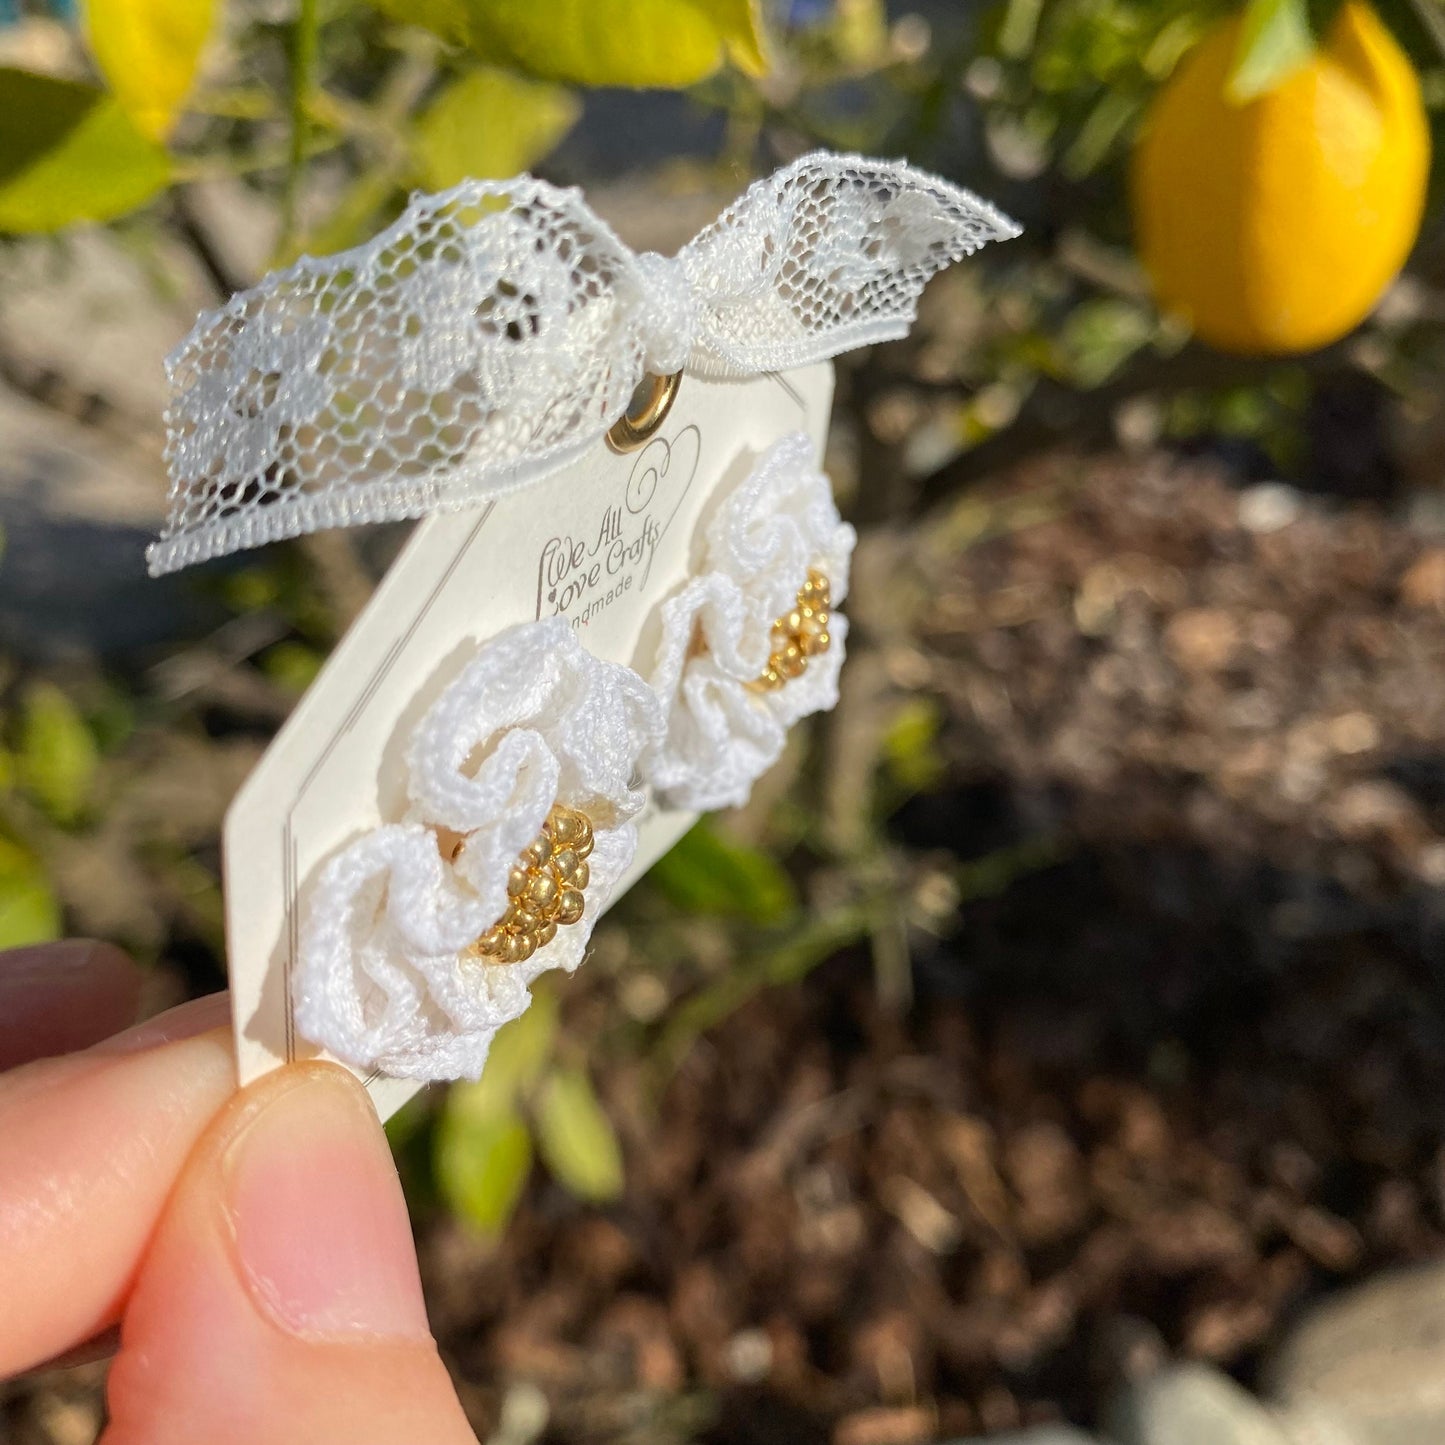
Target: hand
[(253, 1247)]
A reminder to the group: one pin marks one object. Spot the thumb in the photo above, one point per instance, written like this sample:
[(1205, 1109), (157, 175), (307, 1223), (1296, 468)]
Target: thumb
[(279, 1299)]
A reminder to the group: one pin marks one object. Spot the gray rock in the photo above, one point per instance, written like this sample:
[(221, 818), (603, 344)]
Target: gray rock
[(1371, 1359), (1191, 1405)]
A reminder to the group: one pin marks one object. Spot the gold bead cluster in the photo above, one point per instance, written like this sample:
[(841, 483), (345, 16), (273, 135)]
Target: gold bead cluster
[(799, 636), (545, 889)]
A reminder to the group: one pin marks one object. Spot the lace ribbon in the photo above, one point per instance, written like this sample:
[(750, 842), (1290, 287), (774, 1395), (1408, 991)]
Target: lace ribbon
[(496, 330)]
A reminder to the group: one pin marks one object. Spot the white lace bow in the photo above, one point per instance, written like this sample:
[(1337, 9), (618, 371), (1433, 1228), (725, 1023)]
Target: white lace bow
[(495, 331)]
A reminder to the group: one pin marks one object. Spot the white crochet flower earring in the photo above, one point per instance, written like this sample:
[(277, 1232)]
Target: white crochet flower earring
[(420, 939), (752, 643)]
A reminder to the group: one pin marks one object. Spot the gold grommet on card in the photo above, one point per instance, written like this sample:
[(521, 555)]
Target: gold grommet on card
[(646, 412)]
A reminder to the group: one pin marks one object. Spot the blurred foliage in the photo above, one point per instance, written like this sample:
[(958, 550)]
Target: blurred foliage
[(327, 112), (598, 42), (57, 754), (708, 873), (483, 1146)]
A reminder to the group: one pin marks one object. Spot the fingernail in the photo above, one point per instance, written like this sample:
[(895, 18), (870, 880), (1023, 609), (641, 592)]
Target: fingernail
[(184, 1021), (320, 1224)]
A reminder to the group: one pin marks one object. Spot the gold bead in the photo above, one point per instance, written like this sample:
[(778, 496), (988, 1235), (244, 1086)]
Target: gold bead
[(491, 941), (513, 949), (582, 846), (529, 946), (563, 826), (565, 864), (570, 906), (800, 634), (537, 853), (546, 933), (524, 920), (542, 891), (582, 877), (517, 881)]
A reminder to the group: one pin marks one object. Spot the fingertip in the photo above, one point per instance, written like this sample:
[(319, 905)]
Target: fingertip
[(90, 1148), (281, 1298), (320, 1224)]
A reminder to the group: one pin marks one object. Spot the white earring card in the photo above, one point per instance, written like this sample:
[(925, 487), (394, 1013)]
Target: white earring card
[(601, 542)]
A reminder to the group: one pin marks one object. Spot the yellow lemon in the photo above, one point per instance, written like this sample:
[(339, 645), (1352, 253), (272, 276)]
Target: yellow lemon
[(1274, 225)]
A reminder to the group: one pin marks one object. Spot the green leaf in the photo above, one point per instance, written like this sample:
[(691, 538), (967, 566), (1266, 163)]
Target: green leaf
[(408, 1123), (28, 910), (1274, 41), (1020, 27), (515, 1062), (481, 1165), (668, 43), (576, 1137), (68, 153), (482, 1152), (149, 51), (292, 666), (58, 755), (490, 123), (708, 873), (910, 745)]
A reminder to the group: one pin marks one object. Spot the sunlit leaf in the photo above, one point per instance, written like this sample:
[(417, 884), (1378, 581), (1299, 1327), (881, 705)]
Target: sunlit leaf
[(743, 32), (1274, 41), (149, 51), (515, 1062), (57, 753), (481, 1164), (490, 123), (69, 153), (576, 1137), (28, 910), (668, 43), (709, 873)]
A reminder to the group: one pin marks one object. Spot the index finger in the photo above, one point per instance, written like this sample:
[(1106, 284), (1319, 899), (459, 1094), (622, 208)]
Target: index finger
[(90, 1146)]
